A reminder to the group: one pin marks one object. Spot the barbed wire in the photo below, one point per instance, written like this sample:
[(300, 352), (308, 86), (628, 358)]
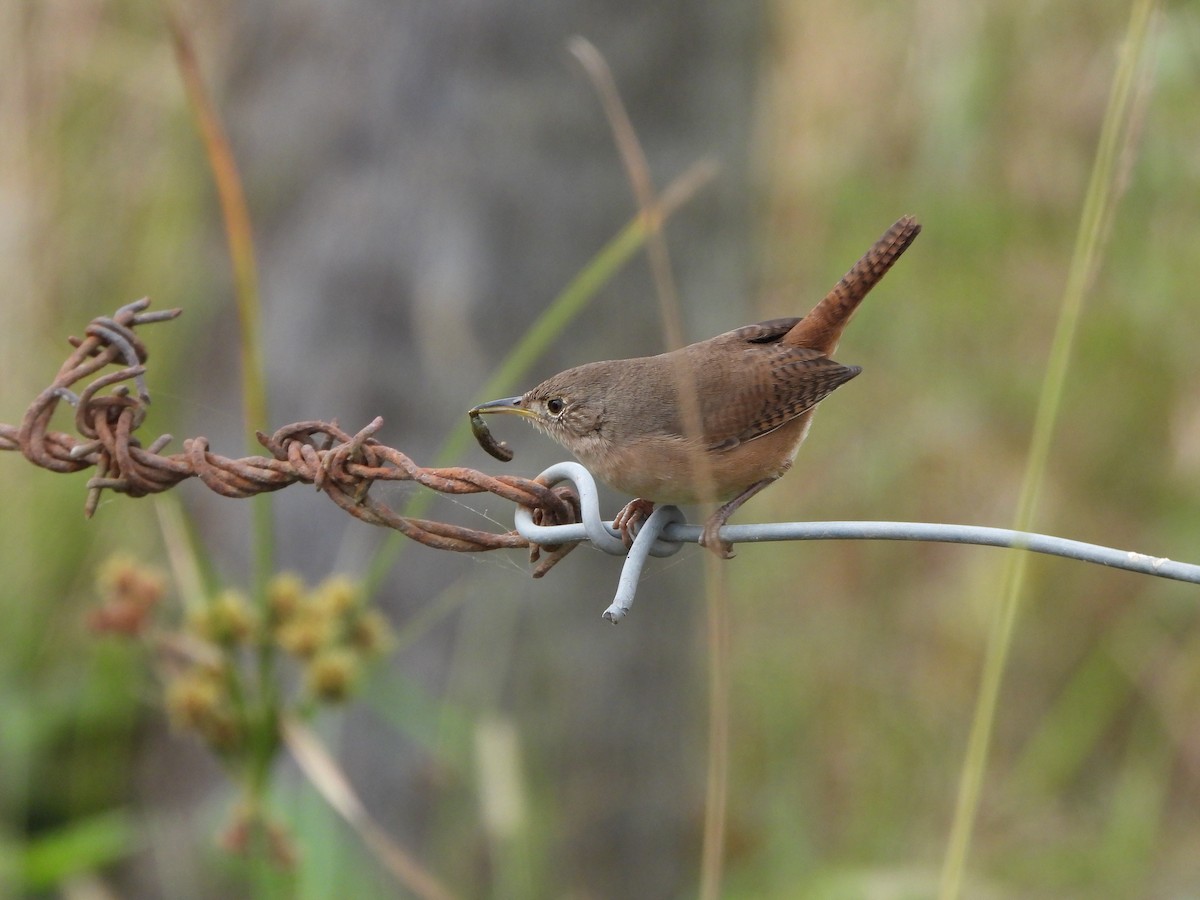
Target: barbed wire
[(341, 465), (556, 511)]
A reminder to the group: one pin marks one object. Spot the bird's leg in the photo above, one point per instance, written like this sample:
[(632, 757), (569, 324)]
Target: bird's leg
[(635, 513), (709, 538)]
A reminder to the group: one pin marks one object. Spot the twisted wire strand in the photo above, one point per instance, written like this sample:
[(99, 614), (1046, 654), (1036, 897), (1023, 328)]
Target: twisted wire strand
[(343, 466), (556, 511)]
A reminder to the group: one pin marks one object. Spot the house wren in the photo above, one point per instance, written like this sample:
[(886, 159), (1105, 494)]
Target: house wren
[(714, 421)]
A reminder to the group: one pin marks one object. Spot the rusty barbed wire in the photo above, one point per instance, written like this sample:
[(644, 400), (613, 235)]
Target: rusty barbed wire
[(340, 465)]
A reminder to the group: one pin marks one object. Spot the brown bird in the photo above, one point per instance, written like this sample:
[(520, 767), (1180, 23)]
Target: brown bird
[(718, 420)]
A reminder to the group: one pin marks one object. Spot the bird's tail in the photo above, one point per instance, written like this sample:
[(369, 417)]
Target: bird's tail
[(822, 328)]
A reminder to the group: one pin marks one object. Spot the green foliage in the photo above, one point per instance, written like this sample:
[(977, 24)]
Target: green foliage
[(854, 667)]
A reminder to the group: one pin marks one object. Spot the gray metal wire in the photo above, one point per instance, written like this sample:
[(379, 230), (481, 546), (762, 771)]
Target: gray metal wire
[(665, 532)]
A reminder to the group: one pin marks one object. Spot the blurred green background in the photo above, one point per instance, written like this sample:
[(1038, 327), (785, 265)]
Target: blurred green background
[(855, 666)]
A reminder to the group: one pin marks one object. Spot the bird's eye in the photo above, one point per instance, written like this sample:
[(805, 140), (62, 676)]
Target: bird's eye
[(555, 405)]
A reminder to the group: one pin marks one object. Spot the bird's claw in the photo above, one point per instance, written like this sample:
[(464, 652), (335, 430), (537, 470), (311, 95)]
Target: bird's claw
[(710, 538), (630, 518)]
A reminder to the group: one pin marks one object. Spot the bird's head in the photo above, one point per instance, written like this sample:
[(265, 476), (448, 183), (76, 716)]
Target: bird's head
[(569, 407)]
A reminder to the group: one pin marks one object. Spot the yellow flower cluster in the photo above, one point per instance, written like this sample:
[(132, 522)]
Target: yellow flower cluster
[(327, 630), (225, 670), (131, 591), (200, 700)]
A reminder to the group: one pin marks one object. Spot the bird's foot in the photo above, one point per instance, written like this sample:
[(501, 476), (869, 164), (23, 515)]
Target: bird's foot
[(635, 513), (710, 537)]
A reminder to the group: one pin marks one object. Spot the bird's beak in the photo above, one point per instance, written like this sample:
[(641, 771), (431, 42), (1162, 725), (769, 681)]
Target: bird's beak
[(507, 405), (496, 448)]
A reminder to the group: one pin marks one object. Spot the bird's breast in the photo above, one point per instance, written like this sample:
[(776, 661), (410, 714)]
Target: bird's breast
[(671, 469)]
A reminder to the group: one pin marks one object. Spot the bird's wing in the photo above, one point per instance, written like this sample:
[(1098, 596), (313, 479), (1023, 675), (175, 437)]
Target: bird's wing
[(768, 332), (777, 382)]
